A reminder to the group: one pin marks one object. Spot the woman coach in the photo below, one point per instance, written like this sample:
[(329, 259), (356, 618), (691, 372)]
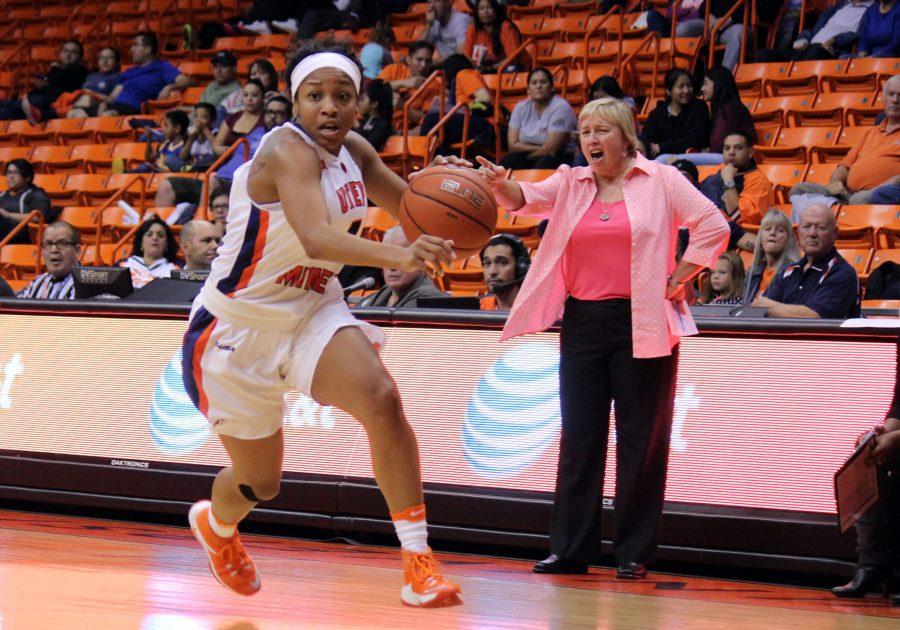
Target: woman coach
[(607, 262)]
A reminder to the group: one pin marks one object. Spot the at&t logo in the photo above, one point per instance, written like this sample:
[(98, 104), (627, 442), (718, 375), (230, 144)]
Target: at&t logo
[(307, 413)]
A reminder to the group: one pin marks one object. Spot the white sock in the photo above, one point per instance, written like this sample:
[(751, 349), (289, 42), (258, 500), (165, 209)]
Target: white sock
[(220, 529), (412, 529)]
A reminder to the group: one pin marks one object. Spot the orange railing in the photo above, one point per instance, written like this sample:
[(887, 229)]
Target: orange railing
[(116, 196), (438, 130), (435, 77), (713, 34), (207, 175), (496, 118), (649, 38)]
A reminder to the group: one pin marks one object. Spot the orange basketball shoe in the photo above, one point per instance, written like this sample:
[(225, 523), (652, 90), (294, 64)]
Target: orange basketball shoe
[(425, 586), (228, 561)]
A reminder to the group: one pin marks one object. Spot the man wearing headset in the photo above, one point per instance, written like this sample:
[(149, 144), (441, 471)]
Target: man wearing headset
[(505, 262)]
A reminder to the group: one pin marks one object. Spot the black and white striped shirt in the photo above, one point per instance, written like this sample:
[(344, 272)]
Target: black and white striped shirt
[(47, 287)]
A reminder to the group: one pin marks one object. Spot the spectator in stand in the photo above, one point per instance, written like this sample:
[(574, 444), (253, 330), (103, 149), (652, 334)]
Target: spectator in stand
[(241, 123), (263, 71), (462, 84), (505, 262), (726, 281), (322, 15), (871, 171), (405, 78), (200, 242), (402, 289), (65, 75), (224, 83), (689, 170), (879, 33), (218, 205), (257, 20), (376, 110), (153, 252), (833, 35), (821, 284), (149, 78), (20, 198), (6, 291), (165, 157), (277, 111), (876, 531), (491, 37), (197, 150), (445, 27), (679, 123), (608, 86), (776, 246), (540, 128), (60, 247), (96, 87), (732, 31), (691, 21), (739, 188), (727, 113), (376, 54)]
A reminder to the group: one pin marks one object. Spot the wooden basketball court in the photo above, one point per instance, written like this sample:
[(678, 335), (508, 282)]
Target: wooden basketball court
[(67, 572)]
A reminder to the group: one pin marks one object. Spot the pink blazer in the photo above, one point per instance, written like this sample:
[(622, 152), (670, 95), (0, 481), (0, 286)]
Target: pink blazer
[(659, 200)]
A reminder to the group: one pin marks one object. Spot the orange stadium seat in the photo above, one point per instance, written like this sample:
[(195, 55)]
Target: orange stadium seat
[(54, 184), (56, 159), (14, 153), (84, 219), (819, 173), (93, 156), (784, 175), (10, 136), (876, 217), (89, 255), (89, 187), (863, 74), (859, 258), (881, 256), (19, 261), (275, 43), (132, 153), (751, 77), (806, 77), (107, 128), (848, 138), (791, 142), (778, 108)]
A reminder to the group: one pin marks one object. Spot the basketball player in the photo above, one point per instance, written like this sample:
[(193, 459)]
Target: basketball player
[(271, 318)]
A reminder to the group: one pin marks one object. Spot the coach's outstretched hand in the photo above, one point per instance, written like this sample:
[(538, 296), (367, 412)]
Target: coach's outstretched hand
[(430, 254), (506, 191)]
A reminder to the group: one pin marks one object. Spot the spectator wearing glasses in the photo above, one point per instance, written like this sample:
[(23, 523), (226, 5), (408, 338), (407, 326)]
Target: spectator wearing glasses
[(277, 111), (821, 284), (218, 205), (60, 247), (20, 197)]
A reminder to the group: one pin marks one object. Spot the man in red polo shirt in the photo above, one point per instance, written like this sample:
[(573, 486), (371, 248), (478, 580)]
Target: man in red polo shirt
[(871, 171)]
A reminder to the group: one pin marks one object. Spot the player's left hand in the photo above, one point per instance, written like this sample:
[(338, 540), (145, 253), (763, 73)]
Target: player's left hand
[(441, 160)]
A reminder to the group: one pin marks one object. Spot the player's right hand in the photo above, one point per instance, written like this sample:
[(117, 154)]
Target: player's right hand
[(429, 254)]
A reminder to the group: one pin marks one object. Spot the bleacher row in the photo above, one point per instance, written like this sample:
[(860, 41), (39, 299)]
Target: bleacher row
[(808, 114)]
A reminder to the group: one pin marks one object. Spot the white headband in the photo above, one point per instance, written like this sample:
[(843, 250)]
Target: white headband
[(324, 60)]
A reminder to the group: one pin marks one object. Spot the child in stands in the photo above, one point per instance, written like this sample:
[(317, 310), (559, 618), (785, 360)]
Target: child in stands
[(726, 281)]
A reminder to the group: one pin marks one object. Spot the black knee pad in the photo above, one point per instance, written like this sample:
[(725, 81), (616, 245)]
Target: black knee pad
[(248, 493)]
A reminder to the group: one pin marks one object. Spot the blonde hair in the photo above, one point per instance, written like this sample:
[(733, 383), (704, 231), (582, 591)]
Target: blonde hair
[(791, 251), (618, 113)]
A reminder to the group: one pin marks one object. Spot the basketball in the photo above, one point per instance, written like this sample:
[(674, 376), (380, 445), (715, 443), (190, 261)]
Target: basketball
[(451, 203)]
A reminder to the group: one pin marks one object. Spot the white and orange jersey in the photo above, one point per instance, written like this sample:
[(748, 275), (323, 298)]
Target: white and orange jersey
[(262, 262)]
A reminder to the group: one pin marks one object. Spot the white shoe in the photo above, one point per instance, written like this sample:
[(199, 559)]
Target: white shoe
[(288, 26), (258, 27)]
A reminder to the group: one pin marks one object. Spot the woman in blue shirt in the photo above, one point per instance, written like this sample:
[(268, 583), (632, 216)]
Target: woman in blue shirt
[(879, 31)]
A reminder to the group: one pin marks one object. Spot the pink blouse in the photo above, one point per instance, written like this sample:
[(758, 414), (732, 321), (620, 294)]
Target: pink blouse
[(659, 200), (597, 258)]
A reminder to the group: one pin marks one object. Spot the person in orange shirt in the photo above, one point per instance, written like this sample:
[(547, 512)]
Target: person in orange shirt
[(871, 171), (505, 262), (405, 77), (491, 37), (740, 190)]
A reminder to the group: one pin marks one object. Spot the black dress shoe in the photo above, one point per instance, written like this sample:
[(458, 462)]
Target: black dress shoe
[(631, 571), (555, 564), (865, 580)]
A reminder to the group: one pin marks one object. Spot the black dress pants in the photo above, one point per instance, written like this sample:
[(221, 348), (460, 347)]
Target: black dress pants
[(597, 368), (876, 530)]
